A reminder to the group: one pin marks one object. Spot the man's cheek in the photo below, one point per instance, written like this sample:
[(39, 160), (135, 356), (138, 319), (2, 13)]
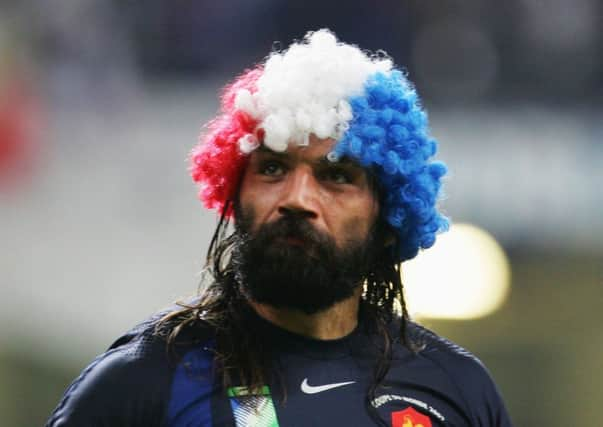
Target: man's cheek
[(355, 229), (244, 211)]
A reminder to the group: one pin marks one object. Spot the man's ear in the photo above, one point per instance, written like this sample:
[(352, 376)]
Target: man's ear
[(390, 239), (387, 234)]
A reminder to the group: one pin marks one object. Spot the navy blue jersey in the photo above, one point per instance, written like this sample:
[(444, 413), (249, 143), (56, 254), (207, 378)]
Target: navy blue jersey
[(137, 383)]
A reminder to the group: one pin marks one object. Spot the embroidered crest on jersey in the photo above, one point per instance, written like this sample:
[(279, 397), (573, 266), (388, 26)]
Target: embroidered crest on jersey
[(387, 398), (252, 409), (409, 417)]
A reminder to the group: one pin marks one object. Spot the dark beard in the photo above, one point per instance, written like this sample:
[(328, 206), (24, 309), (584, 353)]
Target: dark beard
[(290, 264)]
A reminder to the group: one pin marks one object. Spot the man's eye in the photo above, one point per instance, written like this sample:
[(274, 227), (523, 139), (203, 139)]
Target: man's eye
[(272, 168), (338, 176)]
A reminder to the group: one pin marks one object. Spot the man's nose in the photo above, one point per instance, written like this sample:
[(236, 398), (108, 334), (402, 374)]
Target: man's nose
[(300, 195)]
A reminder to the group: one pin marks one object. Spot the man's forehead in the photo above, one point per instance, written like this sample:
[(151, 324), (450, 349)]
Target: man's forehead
[(313, 143), (316, 151)]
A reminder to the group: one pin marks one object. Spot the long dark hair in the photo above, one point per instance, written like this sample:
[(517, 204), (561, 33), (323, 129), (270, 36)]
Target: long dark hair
[(241, 357)]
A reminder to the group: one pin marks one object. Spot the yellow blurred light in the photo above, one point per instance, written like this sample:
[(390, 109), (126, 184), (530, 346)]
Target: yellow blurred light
[(465, 275)]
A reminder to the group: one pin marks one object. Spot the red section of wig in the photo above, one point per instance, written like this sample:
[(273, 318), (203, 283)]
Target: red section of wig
[(216, 163)]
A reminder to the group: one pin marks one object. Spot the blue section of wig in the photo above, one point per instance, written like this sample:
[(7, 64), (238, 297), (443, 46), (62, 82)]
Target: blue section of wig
[(389, 135)]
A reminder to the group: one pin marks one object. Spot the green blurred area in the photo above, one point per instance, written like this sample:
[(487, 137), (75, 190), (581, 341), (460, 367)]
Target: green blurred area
[(544, 346)]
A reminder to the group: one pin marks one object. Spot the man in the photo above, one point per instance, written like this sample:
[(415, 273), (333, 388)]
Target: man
[(320, 157)]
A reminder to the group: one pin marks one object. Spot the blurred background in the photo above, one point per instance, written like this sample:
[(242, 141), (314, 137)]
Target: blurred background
[(101, 100)]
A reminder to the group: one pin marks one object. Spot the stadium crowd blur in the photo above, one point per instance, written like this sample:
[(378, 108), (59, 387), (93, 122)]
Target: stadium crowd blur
[(100, 101)]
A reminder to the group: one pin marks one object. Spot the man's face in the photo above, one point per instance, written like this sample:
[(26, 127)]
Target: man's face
[(305, 226)]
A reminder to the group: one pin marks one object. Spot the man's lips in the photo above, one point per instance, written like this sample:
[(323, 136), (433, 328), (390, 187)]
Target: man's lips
[(305, 245), (292, 241), (295, 241)]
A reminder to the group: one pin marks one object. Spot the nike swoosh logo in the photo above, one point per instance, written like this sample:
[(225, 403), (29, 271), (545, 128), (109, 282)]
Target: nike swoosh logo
[(309, 389)]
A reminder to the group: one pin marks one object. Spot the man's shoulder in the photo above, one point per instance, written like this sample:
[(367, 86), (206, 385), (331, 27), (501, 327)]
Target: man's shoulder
[(432, 345), (133, 374), (456, 361), (467, 375), (150, 338), (458, 381)]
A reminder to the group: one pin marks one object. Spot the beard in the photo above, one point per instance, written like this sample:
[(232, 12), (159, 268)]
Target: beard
[(289, 264)]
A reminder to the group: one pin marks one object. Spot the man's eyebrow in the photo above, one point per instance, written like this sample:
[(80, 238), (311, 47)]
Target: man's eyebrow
[(344, 161), (265, 150)]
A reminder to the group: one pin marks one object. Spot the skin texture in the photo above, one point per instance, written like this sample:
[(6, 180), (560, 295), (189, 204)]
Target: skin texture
[(336, 198)]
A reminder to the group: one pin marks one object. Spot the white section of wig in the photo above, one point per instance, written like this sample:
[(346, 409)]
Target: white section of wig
[(244, 101), (248, 143), (305, 89)]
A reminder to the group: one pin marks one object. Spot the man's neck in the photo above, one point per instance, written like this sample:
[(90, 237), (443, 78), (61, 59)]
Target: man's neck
[(335, 322)]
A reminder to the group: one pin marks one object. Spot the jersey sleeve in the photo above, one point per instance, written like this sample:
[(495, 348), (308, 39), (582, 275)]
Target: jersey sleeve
[(472, 380), (119, 388), (483, 397)]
